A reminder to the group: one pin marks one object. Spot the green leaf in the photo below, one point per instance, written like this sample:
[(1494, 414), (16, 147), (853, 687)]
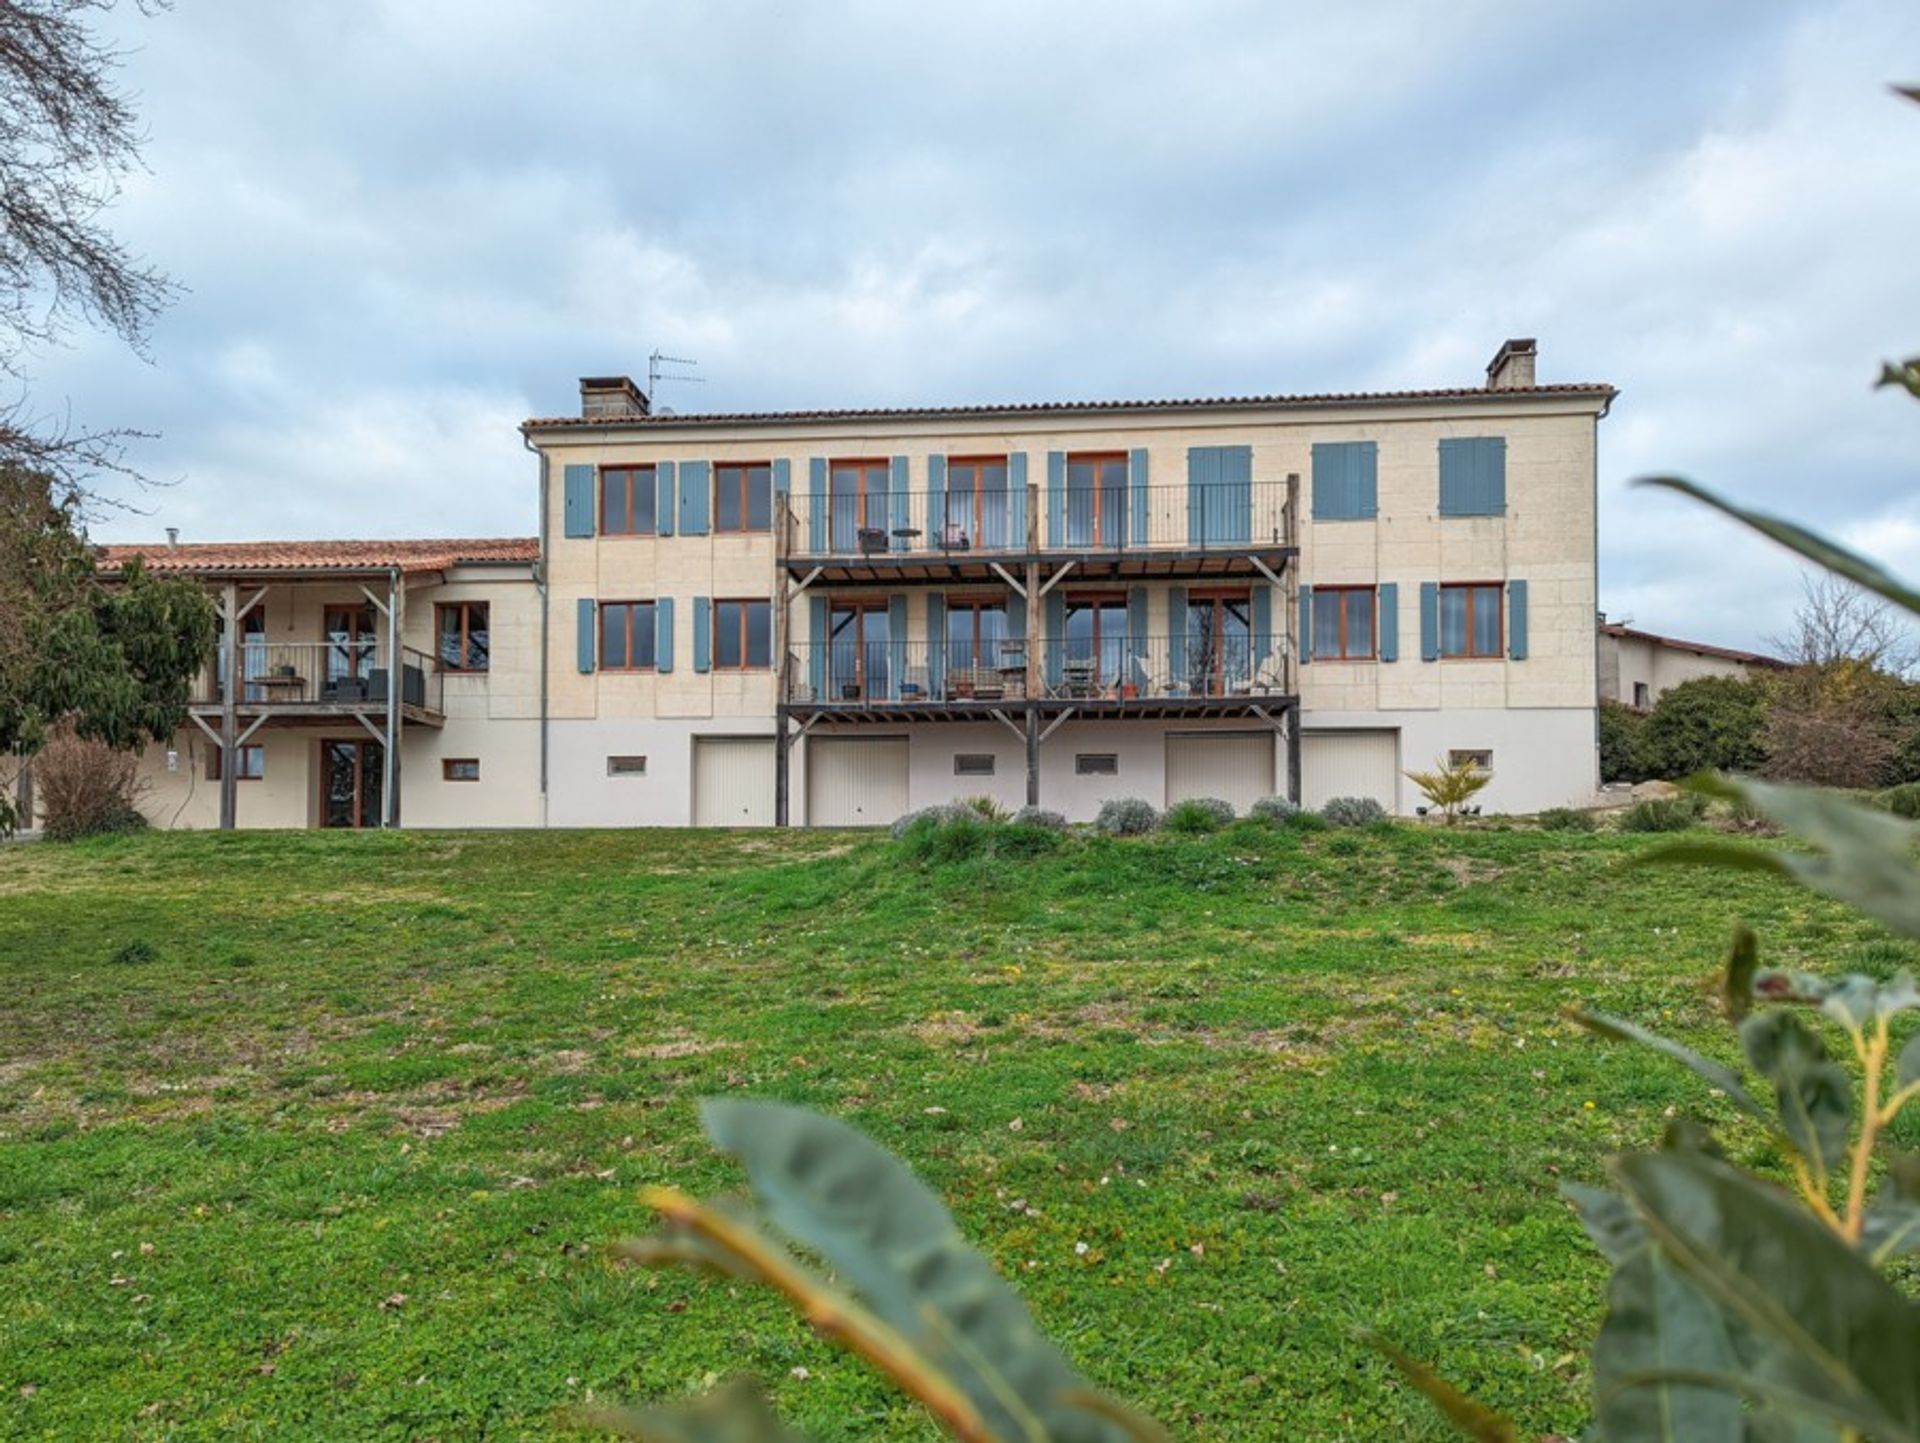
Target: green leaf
[(836, 1192), (1906, 374), (1814, 1093), (1658, 1322), (1685, 1134), (1609, 1220), (1842, 1336), (1714, 1073), (1892, 1230), (1816, 548), (735, 1412), (1906, 1067), (1743, 961), (1471, 1419), (1865, 855)]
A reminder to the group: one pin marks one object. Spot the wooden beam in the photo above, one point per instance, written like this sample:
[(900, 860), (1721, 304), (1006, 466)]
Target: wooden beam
[(373, 731), (1007, 576), (229, 707), (395, 610), (252, 727), (1264, 569), (201, 722), (1033, 757), (1054, 725), (1008, 722), (1059, 576)]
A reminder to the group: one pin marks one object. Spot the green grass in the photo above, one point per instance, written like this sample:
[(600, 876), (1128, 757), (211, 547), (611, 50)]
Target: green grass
[(311, 1136)]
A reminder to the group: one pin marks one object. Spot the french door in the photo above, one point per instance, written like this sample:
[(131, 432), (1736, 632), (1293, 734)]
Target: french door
[(351, 773), (349, 634), (858, 635), (1219, 642), (857, 505), (1097, 500), (979, 511), (1097, 644)]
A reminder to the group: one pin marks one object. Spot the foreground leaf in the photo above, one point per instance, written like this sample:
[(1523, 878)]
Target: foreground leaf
[(1845, 1341), (1473, 1420), (1719, 1076), (735, 1412), (1743, 961), (836, 1192), (1814, 1093)]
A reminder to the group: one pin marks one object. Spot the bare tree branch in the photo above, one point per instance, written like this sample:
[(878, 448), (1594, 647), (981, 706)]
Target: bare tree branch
[(1837, 621)]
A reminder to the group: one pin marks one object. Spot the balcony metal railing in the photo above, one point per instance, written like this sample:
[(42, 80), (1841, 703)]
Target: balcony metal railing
[(323, 674), (917, 524), (1158, 669)]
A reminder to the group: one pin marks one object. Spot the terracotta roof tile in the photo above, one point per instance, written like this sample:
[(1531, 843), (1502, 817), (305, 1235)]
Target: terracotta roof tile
[(215, 557), (1032, 408), (1752, 658)]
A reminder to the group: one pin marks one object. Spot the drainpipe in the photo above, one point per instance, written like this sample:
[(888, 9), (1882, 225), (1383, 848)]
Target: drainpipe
[(540, 581)]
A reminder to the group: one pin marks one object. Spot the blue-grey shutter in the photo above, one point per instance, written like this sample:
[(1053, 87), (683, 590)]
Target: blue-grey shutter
[(578, 500), (1016, 501), (1056, 641), (1429, 621), (896, 643), (1203, 475), (1345, 480), (663, 634), (817, 505), (900, 511), (1138, 644), (1517, 620), (1137, 494), (1232, 520), (782, 476), (1306, 624), (1262, 630), (1017, 616), (1177, 635), (818, 644), (936, 643), (1387, 621), (1493, 475), (1056, 497), (1473, 476), (702, 633), (666, 498), (937, 503), (586, 640), (696, 492)]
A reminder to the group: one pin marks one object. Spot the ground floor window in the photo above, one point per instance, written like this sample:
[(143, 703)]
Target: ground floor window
[(252, 768), (1096, 764), (460, 769)]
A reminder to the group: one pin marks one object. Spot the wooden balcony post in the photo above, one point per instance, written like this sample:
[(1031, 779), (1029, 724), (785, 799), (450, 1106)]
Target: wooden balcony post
[(1033, 755), (229, 707), (782, 768), (396, 685)]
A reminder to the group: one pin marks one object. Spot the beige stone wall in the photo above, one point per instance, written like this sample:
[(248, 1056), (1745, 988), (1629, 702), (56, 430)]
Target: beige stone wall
[(1626, 660)]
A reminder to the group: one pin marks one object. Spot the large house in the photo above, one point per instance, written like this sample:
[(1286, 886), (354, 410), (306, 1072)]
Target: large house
[(834, 617)]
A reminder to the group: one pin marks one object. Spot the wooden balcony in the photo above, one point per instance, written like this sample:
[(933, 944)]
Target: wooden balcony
[(314, 682)]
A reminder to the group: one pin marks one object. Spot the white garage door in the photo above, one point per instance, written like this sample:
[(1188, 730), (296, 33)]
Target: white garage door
[(1235, 766), (856, 781), (733, 781), (1350, 764)]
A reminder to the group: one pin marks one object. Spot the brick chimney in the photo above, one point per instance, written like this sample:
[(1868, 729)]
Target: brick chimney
[(611, 396), (1511, 368)]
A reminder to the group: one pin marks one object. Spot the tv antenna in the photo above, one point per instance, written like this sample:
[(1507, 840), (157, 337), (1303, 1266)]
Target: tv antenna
[(655, 375)]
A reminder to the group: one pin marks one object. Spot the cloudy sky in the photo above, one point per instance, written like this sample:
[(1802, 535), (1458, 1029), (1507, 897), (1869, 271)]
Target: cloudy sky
[(405, 226)]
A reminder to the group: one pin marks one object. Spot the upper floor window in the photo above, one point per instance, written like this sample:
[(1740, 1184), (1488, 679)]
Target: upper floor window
[(461, 627), (743, 497), (1469, 619), (629, 501), (1346, 480), (627, 635), (742, 635), (1096, 499), (1343, 623), (1473, 476)]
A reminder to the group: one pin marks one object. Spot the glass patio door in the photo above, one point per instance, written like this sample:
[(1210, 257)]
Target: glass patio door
[(857, 660), (857, 504), (979, 513), (1096, 501), (350, 645), (1219, 643), (351, 773)]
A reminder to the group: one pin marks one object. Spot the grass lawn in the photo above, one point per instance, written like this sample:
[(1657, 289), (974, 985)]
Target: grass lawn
[(321, 1136)]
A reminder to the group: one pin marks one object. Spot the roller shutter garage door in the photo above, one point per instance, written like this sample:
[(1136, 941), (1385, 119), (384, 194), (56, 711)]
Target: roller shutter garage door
[(1237, 767), (733, 781), (856, 781), (1350, 764)]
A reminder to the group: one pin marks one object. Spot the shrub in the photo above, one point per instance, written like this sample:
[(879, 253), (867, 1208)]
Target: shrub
[(1275, 810), (1567, 819), (1622, 743), (1353, 812), (1040, 817), (985, 808), (137, 953), (949, 839), (1451, 785), (1903, 800), (86, 788), (1198, 814), (1712, 723), (1305, 821), (1019, 840), (1663, 814), (1127, 817), (934, 816)]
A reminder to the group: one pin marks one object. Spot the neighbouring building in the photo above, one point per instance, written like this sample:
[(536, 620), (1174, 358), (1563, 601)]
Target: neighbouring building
[(834, 617), (1636, 666)]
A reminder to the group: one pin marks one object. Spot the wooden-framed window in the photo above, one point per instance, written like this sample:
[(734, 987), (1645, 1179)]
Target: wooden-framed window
[(461, 628), (979, 510), (743, 496), (857, 499), (627, 635), (1096, 764), (976, 629), (626, 766), (1096, 499), (742, 635), (973, 764), (1097, 646), (629, 501), (1470, 618), (460, 769), (1345, 623), (253, 763), (1219, 640)]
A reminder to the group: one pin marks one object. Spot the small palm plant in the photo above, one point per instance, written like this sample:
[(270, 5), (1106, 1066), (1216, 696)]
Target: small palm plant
[(1452, 784)]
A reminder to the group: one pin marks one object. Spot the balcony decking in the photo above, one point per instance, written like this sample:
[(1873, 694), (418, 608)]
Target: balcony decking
[(318, 683)]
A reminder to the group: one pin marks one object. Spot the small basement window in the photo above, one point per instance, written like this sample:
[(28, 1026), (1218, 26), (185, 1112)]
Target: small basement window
[(1471, 758), (973, 764), (460, 769), (626, 766), (1096, 764)]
